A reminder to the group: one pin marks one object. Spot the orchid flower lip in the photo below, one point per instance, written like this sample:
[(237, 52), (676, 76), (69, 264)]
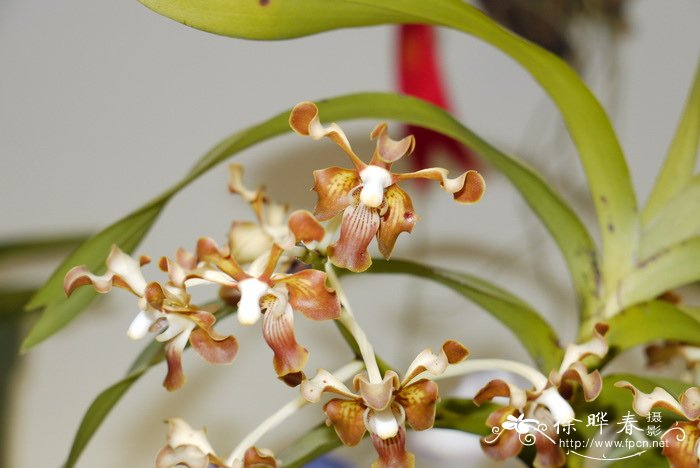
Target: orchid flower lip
[(252, 290), (383, 423), (374, 179), (557, 405)]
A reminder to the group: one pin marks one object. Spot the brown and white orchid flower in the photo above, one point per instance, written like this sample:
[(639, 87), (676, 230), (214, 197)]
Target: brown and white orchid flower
[(369, 197), (274, 297), (682, 439), (383, 408), (250, 240), (662, 354), (186, 447), (545, 405), (165, 310)]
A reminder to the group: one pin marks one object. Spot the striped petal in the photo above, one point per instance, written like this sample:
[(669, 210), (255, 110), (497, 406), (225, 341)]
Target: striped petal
[(290, 358), (309, 295), (397, 217), (333, 186), (359, 226), (392, 452), (467, 188), (212, 347), (175, 378)]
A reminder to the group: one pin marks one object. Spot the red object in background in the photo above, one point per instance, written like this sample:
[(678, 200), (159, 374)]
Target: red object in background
[(420, 76)]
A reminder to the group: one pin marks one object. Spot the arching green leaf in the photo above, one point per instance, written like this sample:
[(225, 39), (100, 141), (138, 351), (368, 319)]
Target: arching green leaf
[(568, 231), (588, 124), (536, 335)]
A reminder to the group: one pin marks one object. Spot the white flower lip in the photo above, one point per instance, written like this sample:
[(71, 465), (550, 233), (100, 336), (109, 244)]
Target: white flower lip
[(383, 423), (252, 289), (140, 325), (374, 180), (561, 410)]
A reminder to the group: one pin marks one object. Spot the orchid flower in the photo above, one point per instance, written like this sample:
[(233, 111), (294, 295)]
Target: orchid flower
[(190, 448), (682, 440), (274, 297), (369, 197), (383, 408), (250, 240), (165, 310), (546, 404)]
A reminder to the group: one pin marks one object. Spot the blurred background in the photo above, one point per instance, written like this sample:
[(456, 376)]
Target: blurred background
[(103, 105)]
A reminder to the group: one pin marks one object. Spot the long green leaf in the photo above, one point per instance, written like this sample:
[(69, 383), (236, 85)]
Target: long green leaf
[(680, 159), (588, 124), (676, 266), (567, 229), (677, 222), (536, 335), (652, 321)]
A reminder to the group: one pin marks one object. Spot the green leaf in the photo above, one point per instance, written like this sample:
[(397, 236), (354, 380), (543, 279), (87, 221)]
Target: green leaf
[(677, 222), (536, 335), (651, 321), (12, 304), (680, 159), (107, 399), (318, 441), (39, 245), (674, 267), (588, 124), (567, 229)]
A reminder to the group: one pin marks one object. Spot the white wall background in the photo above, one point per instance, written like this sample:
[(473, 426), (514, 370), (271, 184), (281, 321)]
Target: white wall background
[(104, 104)]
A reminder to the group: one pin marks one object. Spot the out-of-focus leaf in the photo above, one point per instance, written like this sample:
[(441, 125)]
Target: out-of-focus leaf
[(675, 266), (567, 229), (12, 303), (588, 124), (677, 222), (36, 245), (536, 335), (319, 440), (680, 159), (652, 321), (108, 398)]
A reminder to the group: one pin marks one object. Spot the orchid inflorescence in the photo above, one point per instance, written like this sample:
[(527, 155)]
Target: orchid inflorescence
[(285, 262)]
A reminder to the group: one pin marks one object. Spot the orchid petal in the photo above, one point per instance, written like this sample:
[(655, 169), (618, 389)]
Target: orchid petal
[(359, 226), (309, 295), (389, 151), (208, 251), (235, 184), (333, 186), (304, 121), (180, 434), (324, 382), (392, 452), (142, 323), (506, 445), (591, 383), (347, 418), (501, 388), (559, 408), (252, 290), (450, 353), (187, 456), (596, 346), (173, 354), (214, 349), (259, 458), (682, 444), (122, 271), (305, 227), (642, 403), (467, 188), (383, 423), (418, 401), (378, 395), (290, 358), (549, 454), (398, 217), (248, 241)]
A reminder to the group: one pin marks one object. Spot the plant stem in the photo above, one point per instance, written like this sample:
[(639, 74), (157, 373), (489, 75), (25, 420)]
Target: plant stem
[(274, 420), (538, 380), (347, 318)]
